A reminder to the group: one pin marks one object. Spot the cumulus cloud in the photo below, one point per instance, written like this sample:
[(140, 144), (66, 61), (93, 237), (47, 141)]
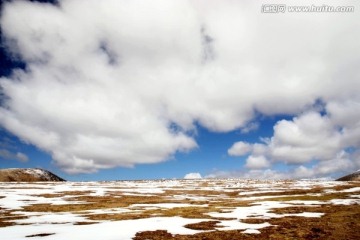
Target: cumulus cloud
[(192, 176), (305, 138), (117, 83), (239, 149), (327, 169), (251, 174), (256, 162), (325, 139)]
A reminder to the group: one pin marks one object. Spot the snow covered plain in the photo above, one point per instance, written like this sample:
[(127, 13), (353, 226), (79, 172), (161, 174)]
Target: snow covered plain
[(183, 208)]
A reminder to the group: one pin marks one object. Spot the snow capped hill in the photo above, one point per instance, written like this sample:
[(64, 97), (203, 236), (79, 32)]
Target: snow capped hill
[(351, 177), (28, 175)]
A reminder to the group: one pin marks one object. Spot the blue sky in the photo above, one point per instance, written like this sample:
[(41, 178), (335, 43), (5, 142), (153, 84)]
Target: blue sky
[(137, 90)]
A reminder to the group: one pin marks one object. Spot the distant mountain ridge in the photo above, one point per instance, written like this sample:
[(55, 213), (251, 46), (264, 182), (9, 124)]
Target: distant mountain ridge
[(28, 175), (351, 177)]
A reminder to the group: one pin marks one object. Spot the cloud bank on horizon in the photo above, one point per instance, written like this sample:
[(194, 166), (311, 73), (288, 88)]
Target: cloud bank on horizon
[(194, 175), (118, 83)]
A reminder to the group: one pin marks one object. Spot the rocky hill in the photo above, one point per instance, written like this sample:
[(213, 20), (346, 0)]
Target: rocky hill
[(28, 175), (351, 177)]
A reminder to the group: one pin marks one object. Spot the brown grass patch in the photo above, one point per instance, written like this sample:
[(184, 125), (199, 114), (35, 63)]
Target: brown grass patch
[(96, 202), (85, 223), (189, 212), (348, 185), (153, 235), (232, 193), (117, 216), (313, 190), (185, 212), (339, 223), (253, 220), (300, 209), (206, 225), (5, 223), (321, 197), (196, 192), (7, 217), (64, 194)]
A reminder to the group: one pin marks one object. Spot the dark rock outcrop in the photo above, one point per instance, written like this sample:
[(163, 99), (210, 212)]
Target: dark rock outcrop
[(351, 177)]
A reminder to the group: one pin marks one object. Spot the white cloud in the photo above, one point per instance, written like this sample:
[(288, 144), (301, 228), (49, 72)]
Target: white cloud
[(18, 156), (346, 114), (192, 176), (257, 162), (22, 157), (329, 140), (239, 149), (106, 81), (338, 166), (307, 137), (251, 174), (326, 169), (252, 126)]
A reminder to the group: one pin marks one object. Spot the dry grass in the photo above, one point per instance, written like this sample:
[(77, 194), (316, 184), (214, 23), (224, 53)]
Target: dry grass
[(323, 197), (339, 222), (185, 212), (254, 220), (7, 218), (96, 202), (85, 223), (64, 194), (189, 212), (207, 225), (116, 200)]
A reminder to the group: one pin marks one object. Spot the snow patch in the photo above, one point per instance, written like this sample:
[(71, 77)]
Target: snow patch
[(251, 231), (119, 230)]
